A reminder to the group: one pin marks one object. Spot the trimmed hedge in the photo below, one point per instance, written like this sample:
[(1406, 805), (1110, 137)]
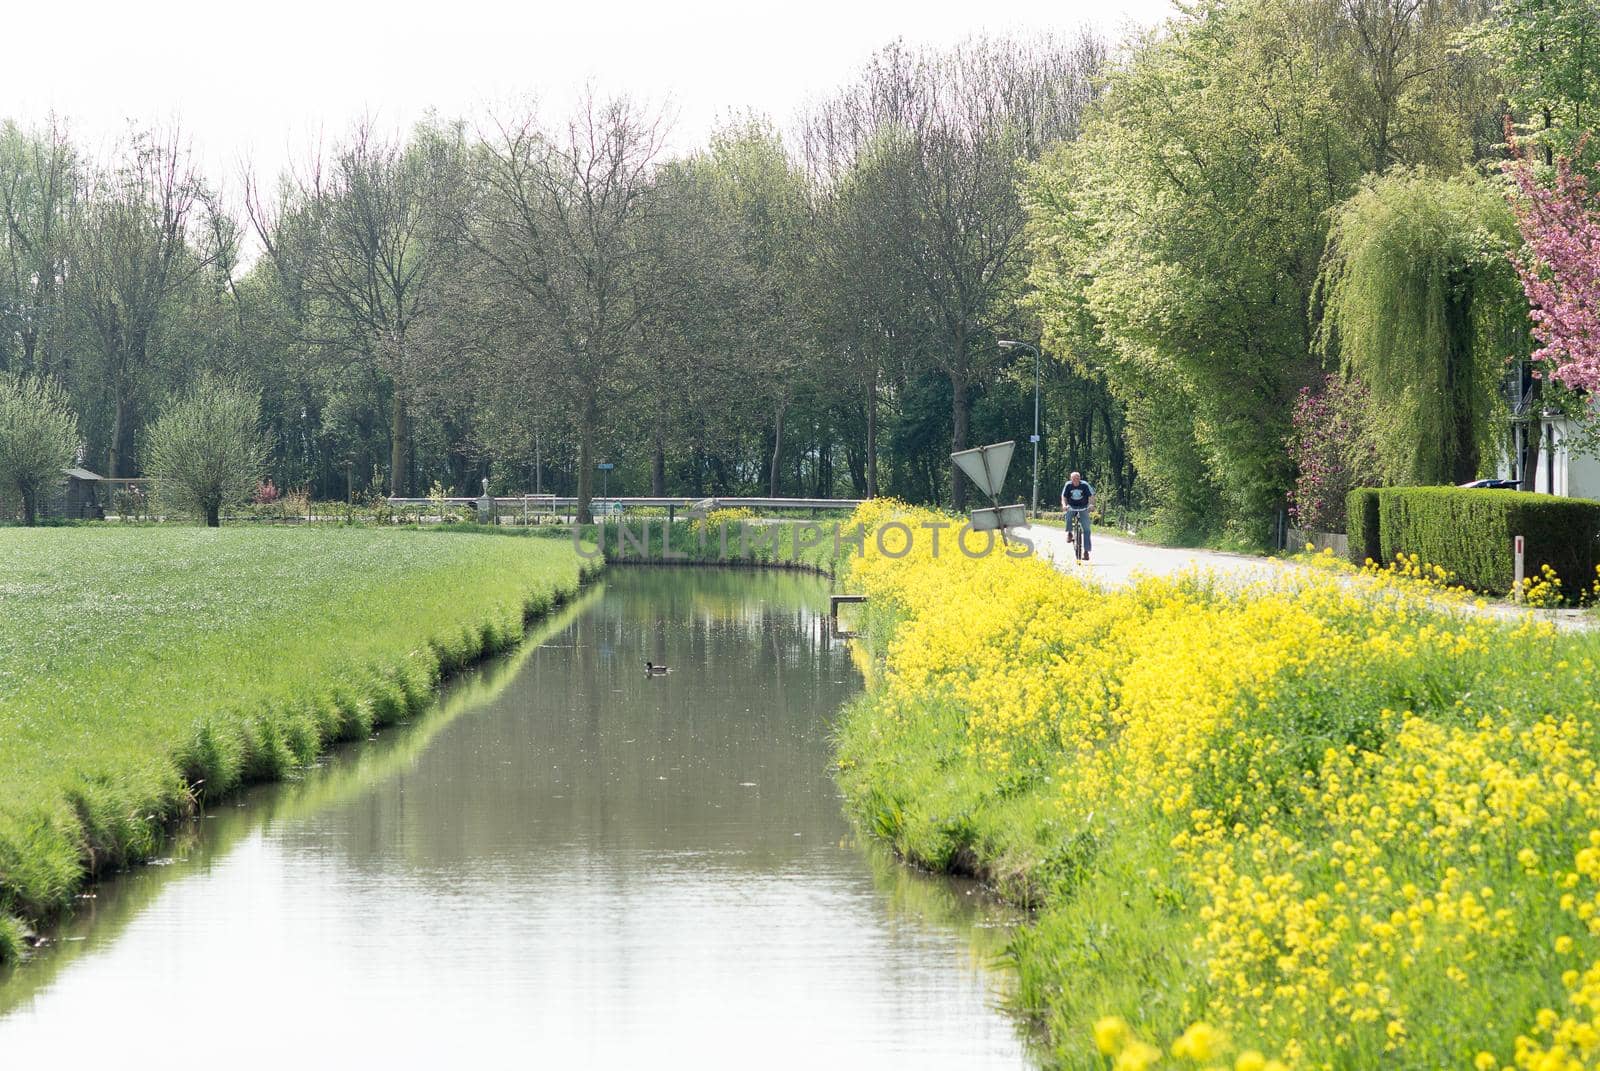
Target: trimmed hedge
[(1361, 508), (1470, 532)]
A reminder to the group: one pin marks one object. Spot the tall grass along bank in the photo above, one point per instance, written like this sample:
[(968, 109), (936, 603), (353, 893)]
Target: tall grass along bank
[(145, 670), (1321, 823)]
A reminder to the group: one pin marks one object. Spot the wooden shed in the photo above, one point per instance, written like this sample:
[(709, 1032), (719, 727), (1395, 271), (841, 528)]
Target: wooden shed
[(76, 497)]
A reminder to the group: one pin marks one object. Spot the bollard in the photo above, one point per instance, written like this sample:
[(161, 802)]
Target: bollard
[(1516, 568)]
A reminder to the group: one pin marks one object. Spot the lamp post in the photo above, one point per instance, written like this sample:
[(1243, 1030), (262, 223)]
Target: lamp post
[(605, 468), (1007, 346)]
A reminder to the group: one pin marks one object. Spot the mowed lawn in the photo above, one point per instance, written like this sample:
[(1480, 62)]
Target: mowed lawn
[(143, 668)]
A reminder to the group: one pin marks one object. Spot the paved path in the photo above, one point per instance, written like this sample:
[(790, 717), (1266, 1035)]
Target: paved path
[(1114, 561)]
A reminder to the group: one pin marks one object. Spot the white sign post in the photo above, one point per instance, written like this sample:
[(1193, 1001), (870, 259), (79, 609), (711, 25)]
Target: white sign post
[(1516, 569), (987, 465), (999, 518)]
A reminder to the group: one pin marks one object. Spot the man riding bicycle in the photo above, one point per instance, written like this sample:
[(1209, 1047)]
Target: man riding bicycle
[(1077, 494)]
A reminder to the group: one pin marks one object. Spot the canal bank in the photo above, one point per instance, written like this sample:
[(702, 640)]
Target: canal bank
[(590, 864), (1289, 824), (149, 671)]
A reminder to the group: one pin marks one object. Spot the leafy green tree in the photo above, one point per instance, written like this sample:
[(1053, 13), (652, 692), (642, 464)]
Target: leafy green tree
[(1176, 244), (1423, 305), (761, 194), (1187, 222), (940, 138), (372, 274), (207, 451), (38, 435), (38, 180), (1548, 53)]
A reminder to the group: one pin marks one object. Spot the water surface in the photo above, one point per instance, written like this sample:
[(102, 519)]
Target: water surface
[(565, 864)]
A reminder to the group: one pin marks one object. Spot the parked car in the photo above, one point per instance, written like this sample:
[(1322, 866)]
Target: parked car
[(1498, 485)]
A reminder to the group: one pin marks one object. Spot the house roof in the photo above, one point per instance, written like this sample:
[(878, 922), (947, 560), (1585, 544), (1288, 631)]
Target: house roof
[(80, 474)]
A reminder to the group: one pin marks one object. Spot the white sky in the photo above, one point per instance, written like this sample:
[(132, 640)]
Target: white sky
[(260, 81)]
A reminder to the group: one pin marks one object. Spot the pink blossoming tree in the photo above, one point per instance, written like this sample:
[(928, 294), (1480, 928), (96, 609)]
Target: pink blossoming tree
[(1560, 269)]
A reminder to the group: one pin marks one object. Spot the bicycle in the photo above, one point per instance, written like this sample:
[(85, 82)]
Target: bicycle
[(1075, 527)]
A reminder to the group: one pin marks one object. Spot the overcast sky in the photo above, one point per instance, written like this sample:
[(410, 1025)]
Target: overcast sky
[(260, 81)]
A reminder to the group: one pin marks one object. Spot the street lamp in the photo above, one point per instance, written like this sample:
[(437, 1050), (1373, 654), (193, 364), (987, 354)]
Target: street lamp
[(1007, 346), (605, 468)]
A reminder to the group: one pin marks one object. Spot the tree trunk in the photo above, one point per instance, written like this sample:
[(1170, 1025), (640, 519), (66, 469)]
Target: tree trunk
[(213, 516), (777, 451), (119, 416), (658, 470), (399, 474), (30, 508), (872, 436), (1461, 447), (538, 464), (586, 462), (958, 441), (1115, 457)]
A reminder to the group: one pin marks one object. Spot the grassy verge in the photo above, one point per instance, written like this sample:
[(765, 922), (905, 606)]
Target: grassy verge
[(194, 843), (143, 671), (1307, 825)]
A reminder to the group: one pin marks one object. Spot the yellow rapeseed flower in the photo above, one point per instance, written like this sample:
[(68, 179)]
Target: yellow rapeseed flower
[(1110, 1034)]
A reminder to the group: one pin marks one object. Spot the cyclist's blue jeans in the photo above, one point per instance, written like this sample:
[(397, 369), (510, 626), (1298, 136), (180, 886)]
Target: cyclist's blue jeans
[(1082, 515)]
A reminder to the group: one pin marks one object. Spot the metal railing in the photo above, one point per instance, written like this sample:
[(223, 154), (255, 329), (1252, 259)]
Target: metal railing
[(531, 506)]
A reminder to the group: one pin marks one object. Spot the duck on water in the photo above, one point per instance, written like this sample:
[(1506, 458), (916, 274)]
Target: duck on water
[(653, 670)]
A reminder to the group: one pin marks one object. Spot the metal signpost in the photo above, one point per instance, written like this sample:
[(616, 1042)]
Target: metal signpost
[(987, 465), (1006, 346), (605, 468)]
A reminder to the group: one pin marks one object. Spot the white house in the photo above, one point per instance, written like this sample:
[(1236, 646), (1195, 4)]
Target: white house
[(1564, 468)]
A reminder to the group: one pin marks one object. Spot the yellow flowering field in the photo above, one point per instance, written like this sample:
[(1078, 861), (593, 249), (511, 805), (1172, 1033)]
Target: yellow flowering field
[(1321, 822)]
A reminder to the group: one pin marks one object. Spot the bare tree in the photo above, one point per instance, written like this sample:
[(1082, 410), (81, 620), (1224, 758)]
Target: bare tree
[(130, 254), (370, 271), (559, 232), (37, 188), (935, 142)]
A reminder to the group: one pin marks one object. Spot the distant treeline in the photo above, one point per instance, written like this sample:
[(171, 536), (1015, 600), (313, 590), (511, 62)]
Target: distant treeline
[(522, 300), (820, 312)]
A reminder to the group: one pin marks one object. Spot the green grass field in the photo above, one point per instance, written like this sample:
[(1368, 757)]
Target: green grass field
[(145, 669)]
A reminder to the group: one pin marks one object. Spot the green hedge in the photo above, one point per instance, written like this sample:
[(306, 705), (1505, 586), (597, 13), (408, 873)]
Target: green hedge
[(1470, 531), (1361, 508)]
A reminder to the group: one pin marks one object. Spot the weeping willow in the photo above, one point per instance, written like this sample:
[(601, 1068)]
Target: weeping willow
[(1419, 300)]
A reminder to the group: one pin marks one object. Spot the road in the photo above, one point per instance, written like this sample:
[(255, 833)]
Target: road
[(1114, 561)]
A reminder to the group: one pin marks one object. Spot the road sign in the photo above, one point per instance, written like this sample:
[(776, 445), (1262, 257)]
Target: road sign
[(605, 466), (989, 520), (1033, 438), (986, 465)]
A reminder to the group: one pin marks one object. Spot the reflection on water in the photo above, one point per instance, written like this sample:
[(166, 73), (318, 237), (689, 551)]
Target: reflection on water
[(568, 863)]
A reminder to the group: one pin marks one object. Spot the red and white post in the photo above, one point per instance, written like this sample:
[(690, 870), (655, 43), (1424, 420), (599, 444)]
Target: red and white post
[(1516, 568)]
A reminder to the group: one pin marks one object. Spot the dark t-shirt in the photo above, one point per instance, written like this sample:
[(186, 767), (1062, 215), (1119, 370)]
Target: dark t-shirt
[(1077, 497)]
